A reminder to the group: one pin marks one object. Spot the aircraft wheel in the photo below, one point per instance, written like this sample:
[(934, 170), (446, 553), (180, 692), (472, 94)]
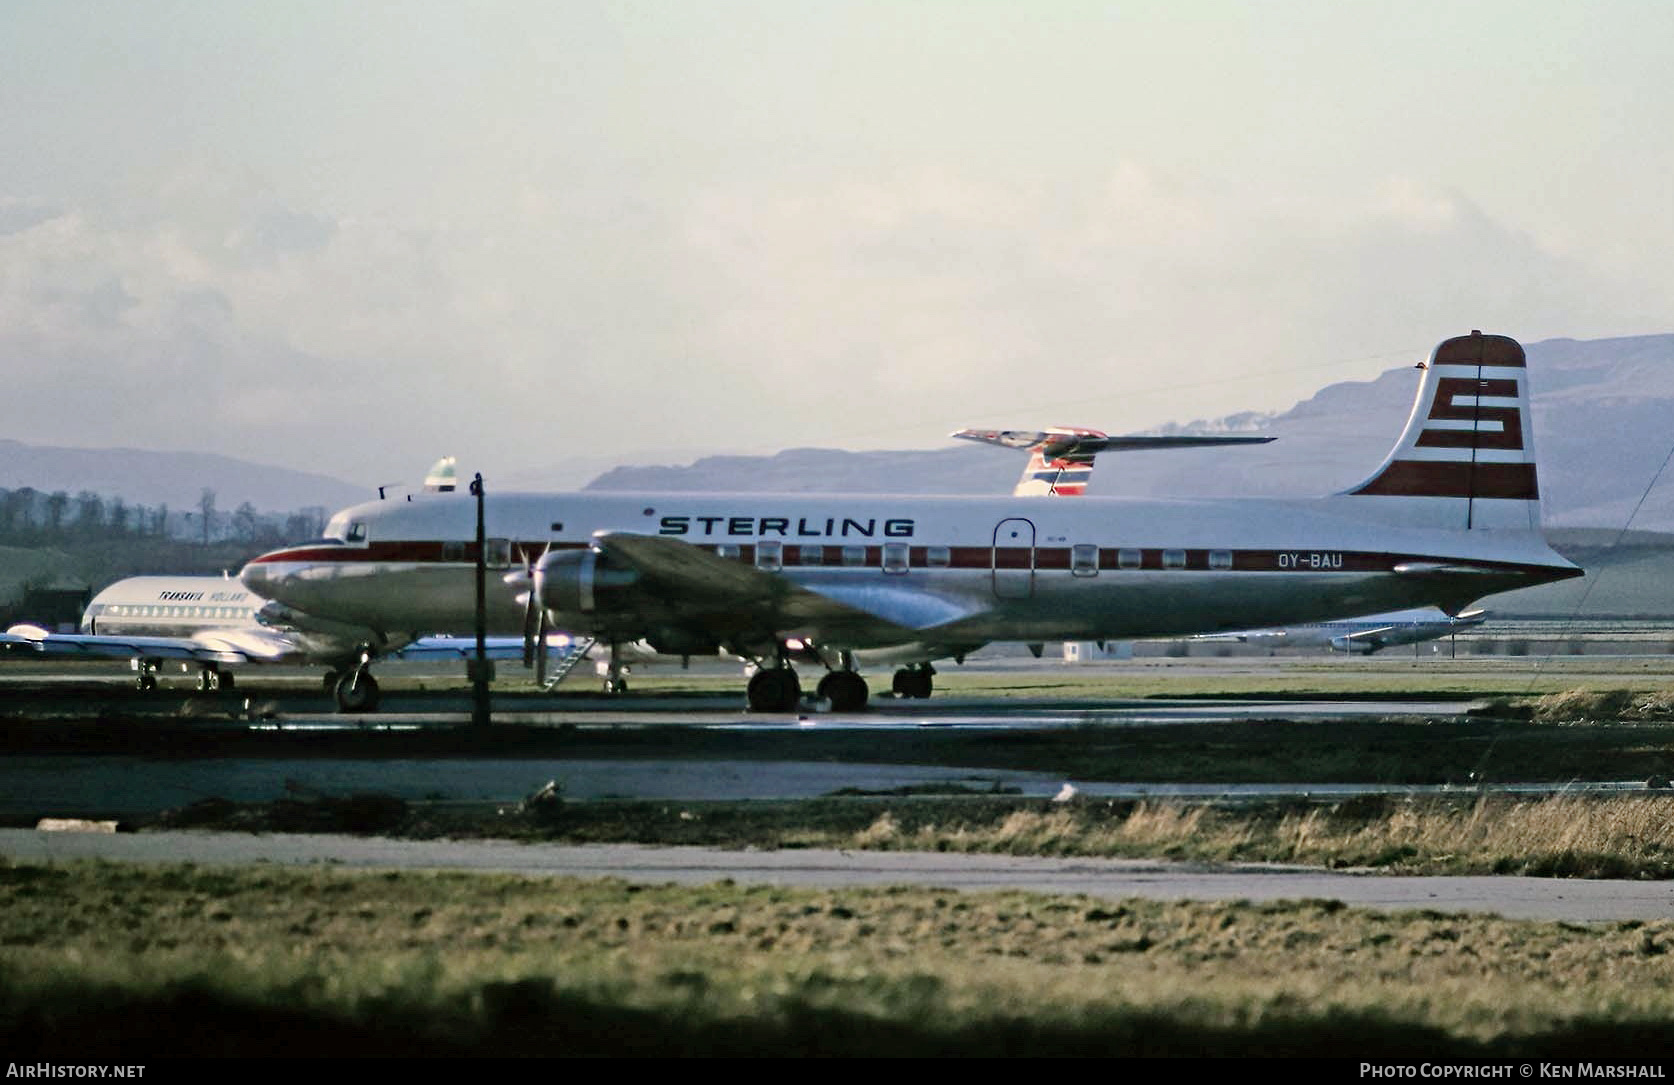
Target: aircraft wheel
[(329, 682), (614, 686), (774, 690), (357, 691), (845, 690), (206, 681), (145, 683), (225, 681), (913, 682)]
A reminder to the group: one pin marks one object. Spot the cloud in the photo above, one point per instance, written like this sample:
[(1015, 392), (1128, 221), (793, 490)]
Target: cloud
[(18, 215), (875, 309)]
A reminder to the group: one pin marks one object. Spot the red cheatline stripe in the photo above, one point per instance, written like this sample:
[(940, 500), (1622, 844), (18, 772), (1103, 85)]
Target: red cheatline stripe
[(1111, 560)]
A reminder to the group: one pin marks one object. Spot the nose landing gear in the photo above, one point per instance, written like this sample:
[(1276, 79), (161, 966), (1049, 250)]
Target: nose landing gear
[(356, 690)]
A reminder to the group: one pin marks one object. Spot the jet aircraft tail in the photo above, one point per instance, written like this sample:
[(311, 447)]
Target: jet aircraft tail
[(1061, 458), (1466, 458), (1058, 472)]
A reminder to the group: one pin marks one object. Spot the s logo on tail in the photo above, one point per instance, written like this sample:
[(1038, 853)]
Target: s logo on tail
[(1465, 458)]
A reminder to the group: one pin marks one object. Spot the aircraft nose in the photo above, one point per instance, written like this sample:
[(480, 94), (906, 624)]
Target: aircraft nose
[(261, 576)]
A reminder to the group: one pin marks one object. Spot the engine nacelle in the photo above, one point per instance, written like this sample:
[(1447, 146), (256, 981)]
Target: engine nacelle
[(584, 582), (679, 642), (1354, 646)]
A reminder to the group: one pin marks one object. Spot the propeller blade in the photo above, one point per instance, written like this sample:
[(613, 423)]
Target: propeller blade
[(534, 614), (541, 654), (531, 607)]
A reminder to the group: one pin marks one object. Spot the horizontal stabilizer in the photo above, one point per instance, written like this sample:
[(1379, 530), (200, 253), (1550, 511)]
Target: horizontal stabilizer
[(1061, 458), (1060, 443)]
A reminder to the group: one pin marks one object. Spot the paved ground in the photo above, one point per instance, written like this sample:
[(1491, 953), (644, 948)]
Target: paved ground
[(1522, 898)]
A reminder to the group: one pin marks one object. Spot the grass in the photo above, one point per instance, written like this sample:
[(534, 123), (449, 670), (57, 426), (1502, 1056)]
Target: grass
[(1558, 836), (111, 962), (105, 961)]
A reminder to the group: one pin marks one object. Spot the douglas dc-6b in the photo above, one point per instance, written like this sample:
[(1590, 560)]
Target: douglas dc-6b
[(1061, 465), (1452, 515)]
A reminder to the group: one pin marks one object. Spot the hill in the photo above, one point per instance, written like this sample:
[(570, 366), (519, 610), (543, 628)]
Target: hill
[(1601, 427), (176, 479)]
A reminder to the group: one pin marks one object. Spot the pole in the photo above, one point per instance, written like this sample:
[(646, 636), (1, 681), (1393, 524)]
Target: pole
[(480, 673)]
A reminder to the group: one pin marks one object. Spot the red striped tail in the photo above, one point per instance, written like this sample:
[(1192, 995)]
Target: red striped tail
[(1466, 458), (1051, 470)]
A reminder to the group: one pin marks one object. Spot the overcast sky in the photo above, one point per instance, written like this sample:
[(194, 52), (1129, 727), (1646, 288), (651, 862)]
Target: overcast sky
[(352, 237)]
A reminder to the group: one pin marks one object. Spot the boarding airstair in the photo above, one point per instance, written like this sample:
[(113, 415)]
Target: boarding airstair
[(572, 658)]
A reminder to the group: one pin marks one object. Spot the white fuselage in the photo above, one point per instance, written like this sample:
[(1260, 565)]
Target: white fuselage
[(1003, 568), (170, 606), (1367, 634)]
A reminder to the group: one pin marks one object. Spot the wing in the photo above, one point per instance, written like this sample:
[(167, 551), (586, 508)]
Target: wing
[(720, 595), (1058, 443), (231, 646), (430, 648), (1377, 638)]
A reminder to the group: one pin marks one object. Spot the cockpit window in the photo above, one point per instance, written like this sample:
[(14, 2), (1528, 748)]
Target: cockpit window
[(357, 533)]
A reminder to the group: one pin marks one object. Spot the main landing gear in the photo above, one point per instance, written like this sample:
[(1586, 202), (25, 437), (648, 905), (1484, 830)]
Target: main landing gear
[(774, 689), (844, 690), (614, 673), (778, 689), (914, 681), (212, 679)]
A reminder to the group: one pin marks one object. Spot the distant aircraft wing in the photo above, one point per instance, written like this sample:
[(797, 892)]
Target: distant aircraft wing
[(429, 648), (230, 646), (1057, 444), (713, 593), (1374, 638)]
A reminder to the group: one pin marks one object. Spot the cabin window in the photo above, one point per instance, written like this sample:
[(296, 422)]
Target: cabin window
[(1084, 560), (938, 557), (813, 554), (1220, 559), (728, 551), (769, 555), (499, 553), (854, 555), (895, 557), (453, 551), (1130, 559), (1174, 559)]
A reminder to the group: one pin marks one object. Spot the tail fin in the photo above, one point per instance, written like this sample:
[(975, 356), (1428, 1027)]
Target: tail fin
[(442, 478), (1060, 461), (1466, 458), (1054, 471)]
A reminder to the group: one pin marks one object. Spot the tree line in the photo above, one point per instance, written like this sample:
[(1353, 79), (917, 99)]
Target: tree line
[(33, 518)]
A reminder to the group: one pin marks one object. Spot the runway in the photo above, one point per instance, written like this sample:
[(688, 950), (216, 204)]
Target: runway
[(135, 787), (229, 747), (1513, 897), (696, 747)]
